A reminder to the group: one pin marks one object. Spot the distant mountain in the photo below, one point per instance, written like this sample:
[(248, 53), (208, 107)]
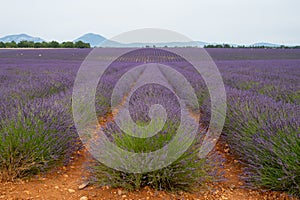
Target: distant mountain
[(19, 37), (93, 39), (96, 40), (265, 44)]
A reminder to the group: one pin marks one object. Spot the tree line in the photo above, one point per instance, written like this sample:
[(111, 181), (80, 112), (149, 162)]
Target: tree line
[(52, 44), (244, 46)]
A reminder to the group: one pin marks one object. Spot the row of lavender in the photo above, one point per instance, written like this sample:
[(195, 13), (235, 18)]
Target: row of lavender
[(188, 169), (36, 126), (263, 117)]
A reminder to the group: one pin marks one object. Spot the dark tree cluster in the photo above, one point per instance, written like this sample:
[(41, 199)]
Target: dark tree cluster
[(52, 44), (218, 46), (251, 46)]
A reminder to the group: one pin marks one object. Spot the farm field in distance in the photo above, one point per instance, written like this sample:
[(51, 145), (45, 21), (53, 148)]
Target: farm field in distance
[(256, 157)]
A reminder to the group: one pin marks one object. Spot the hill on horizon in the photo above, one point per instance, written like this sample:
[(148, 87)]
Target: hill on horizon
[(20, 37), (92, 38)]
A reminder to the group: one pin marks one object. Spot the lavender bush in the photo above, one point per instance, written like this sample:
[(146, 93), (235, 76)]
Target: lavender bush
[(262, 125), (35, 137), (265, 134), (184, 174), (36, 128)]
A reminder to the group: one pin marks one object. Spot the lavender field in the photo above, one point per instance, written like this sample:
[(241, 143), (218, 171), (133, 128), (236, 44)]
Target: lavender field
[(262, 125)]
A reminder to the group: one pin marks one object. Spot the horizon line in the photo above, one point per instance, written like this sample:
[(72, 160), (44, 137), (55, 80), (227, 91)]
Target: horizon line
[(207, 43)]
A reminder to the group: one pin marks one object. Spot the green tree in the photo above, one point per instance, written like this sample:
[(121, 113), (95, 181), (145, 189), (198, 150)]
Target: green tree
[(2, 45), (26, 44), (80, 44), (53, 44), (44, 44), (38, 45), (67, 44), (11, 44)]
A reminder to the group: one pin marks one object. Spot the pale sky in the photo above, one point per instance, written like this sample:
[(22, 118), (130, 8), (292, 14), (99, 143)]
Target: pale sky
[(221, 21)]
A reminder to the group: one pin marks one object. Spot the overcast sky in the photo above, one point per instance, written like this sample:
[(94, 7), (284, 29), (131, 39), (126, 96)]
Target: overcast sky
[(226, 21)]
